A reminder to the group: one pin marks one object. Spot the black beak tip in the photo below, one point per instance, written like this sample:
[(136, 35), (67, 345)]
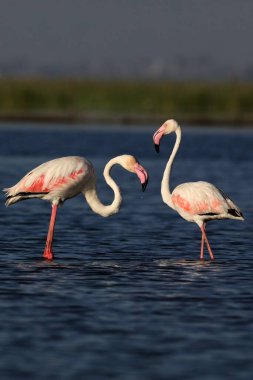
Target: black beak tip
[(157, 148), (144, 185)]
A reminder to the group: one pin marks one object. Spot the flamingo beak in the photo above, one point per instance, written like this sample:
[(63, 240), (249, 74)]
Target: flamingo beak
[(157, 147), (142, 175), (144, 185), (158, 135)]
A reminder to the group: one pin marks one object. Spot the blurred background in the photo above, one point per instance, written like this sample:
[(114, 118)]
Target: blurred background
[(128, 62)]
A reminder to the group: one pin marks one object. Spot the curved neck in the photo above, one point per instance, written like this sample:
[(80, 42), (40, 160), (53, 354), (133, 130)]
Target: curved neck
[(165, 187), (93, 200)]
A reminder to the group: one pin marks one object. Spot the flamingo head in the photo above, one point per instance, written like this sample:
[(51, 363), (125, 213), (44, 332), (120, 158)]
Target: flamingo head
[(131, 164), (168, 127)]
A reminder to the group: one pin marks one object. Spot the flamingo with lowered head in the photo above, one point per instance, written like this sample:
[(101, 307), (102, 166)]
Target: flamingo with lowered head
[(64, 178), (197, 202)]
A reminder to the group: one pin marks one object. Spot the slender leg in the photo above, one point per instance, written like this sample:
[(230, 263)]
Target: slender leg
[(207, 242), (48, 252), (202, 247)]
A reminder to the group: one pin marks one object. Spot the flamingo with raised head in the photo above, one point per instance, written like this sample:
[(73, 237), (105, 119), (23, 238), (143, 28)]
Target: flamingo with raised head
[(64, 178), (197, 202)]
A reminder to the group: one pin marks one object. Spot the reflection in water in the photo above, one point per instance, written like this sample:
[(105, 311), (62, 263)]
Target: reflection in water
[(127, 297)]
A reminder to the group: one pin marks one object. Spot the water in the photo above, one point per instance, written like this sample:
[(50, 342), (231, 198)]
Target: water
[(126, 297)]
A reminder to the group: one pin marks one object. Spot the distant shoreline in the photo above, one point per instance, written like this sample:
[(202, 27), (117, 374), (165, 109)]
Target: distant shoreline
[(122, 119), (126, 102)]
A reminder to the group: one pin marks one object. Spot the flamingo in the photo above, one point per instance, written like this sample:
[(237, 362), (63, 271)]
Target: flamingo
[(197, 202), (64, 178)]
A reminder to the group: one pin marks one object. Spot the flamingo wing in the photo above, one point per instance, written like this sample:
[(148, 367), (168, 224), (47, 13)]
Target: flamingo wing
[(204, 199), (62, 178)]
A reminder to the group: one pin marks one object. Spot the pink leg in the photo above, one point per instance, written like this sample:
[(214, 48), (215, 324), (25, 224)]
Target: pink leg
[(202, 247), (207, 242), (48, 252)]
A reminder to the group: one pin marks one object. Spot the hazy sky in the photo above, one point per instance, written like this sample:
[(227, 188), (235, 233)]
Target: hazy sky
[(146, 36)]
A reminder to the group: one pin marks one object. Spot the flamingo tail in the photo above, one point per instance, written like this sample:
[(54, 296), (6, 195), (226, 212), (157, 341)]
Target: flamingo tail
[(14, 197)]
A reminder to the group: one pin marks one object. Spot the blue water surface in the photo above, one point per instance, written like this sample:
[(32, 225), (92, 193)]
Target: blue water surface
[(126, 297)]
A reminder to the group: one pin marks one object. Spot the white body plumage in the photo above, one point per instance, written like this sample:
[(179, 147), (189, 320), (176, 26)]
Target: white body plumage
[(202, 201), (55, 181)]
